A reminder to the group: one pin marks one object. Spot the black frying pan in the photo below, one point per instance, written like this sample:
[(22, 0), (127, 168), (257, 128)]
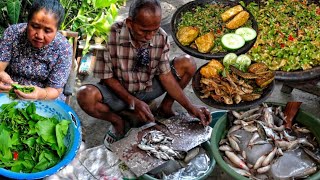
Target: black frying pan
[(242, 105), (208, 56)]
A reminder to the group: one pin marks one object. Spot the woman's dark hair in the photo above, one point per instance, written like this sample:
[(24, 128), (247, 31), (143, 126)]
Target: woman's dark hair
[(52, 6), (137, 5)]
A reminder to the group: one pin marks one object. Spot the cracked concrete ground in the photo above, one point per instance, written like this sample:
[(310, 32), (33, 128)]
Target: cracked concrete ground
[(95, 129)]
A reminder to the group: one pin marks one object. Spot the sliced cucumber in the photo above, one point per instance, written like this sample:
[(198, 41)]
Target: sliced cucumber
[(229, 59), (232, 41), (243, 62), (247, 33)]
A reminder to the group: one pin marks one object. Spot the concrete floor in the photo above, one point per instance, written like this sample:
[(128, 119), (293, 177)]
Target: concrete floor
[(94, 129)]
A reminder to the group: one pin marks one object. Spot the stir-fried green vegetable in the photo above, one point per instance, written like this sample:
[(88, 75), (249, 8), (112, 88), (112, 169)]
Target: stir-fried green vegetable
[(25, 89), (30, 142), (289, 34), (207, 18)]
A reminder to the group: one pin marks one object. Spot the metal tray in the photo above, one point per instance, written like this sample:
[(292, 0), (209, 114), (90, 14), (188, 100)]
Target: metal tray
[(208, 56)]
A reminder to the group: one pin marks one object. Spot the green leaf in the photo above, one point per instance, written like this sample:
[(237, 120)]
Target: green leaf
[(14, 7), (64, 3), (5, 139), (3, 3), (17, 166), (46, 130), (46, 159), (37, 117), (25, 114), (101, 3), (61, 132), (102, 25), (31, 109), (113, 10), (30, 141), (15, 139), (28, 164)]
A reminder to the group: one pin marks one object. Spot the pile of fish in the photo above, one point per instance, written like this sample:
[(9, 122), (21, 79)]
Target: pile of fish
[(258, 145), (156, 143)]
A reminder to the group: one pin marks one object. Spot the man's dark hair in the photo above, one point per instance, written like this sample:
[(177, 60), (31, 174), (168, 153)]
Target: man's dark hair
[(52, 6), (137, 5)]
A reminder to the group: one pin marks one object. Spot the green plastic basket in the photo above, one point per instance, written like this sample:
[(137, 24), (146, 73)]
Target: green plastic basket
[(219, 130)]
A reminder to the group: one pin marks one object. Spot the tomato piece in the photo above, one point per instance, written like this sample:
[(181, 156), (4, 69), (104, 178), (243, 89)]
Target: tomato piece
[(290, 38), (15, 155), (282, 45)]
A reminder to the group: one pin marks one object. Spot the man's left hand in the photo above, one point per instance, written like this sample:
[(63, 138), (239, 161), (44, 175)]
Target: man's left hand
[(203, 114)]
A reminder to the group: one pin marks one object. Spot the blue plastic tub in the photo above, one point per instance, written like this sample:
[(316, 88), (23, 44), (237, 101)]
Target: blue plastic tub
[(72, 140)]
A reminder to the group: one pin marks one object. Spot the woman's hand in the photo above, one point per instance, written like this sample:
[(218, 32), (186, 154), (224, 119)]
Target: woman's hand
[(202, 113), (37, 94), (5, 82), (142, 110)]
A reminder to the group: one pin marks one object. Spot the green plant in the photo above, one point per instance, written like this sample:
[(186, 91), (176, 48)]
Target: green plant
[(94, 18), (12, 12)]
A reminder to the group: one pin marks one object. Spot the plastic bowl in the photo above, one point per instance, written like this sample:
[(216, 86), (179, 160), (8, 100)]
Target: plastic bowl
[(72, 140), (219, 130)]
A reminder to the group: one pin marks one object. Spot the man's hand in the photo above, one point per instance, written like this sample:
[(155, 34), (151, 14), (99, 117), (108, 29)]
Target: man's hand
[(143, 111), (5, 82), (202, 113)]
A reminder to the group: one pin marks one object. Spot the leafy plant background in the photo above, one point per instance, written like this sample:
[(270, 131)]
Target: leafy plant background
[(88, 17), (12, 12)]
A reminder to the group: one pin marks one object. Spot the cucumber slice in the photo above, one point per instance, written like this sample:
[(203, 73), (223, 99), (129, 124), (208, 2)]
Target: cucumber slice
[(247, 33), (243, 62), (229, 59), (232, 41)]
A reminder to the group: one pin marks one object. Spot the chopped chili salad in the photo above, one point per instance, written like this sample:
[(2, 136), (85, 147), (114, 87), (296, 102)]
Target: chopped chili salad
[(208, 18), (289, 34)]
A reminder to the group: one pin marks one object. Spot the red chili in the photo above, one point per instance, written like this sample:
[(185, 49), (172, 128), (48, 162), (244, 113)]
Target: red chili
[(15, 155), (290, 38), (218, 31), (282, 45), (318, 11)]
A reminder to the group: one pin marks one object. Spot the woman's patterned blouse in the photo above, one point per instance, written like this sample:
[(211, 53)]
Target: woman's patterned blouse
[(46, 67)]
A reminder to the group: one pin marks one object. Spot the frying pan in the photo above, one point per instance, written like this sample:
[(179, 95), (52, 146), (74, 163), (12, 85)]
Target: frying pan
[(207, 56), (242, 105)]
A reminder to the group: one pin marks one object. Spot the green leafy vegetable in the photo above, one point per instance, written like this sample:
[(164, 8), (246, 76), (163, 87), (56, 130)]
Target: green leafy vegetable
[(30, 142), (25, 89)]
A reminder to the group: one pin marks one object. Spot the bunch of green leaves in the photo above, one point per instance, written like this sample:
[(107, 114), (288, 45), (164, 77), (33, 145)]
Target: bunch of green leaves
[(93, 18), (25, 89), (30, 142)]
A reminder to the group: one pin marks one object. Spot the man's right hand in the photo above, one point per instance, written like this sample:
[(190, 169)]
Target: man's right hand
[(143, 111), (5, 82)]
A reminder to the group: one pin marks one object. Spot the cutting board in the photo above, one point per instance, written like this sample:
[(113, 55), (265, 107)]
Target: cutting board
[(185, 131)]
